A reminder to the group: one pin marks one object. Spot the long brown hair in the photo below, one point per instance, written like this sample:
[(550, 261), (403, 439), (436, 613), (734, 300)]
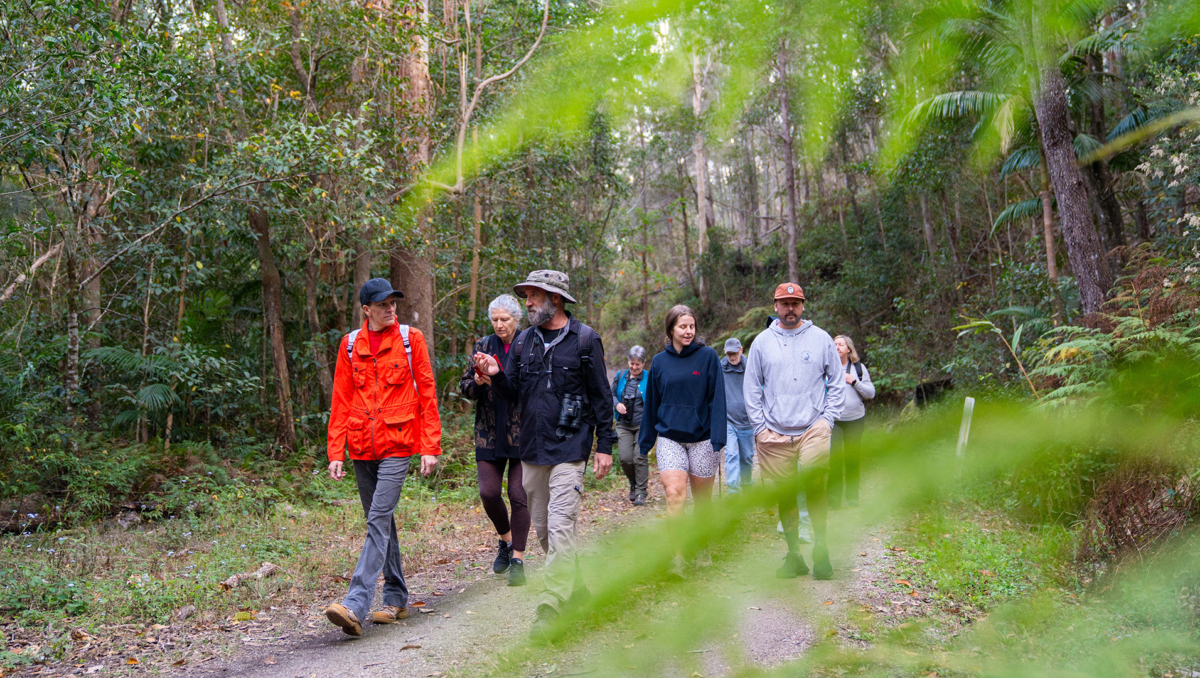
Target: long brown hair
[(673, 316)]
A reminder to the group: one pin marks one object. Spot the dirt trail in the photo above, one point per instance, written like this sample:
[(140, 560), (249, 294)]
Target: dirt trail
[(761, 621)]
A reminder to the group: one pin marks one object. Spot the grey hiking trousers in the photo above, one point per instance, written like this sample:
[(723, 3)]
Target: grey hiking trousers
[(555, 493), (379, 485)]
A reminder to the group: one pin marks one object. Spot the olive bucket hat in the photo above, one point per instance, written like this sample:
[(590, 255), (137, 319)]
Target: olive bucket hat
[(555, 282)]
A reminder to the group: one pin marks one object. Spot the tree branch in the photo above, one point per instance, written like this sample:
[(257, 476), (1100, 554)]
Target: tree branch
[(12, 289), (167, 222)]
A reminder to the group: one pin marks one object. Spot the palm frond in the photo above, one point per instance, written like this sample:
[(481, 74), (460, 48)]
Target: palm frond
[(1020, 160), (1085, 145), (157, 397), (129, 361), (1135, 120), (956, 105), (1025, 208)]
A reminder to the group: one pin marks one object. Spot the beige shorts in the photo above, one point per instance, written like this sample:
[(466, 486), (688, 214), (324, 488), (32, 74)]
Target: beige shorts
[(778, 453)]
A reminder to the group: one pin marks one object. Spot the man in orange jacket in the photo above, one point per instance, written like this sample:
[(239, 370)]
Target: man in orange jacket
[(385, 411)]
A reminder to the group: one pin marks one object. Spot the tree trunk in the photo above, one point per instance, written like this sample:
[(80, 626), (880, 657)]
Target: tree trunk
[(789, 165), (1092, 274), (71, 378), (1106, 195), (927, 221), (700, 68), (272, 294), (362, 273), (473, 295), (1048, 238), (320, 354), (411, 269)]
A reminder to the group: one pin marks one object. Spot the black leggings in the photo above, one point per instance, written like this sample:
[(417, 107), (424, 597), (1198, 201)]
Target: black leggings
[(491, 476)]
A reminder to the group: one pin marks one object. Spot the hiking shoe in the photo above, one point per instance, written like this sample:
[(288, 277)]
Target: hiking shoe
[(632, 495), (678, 570), (339, 615), (581, 595), (802, 531), (793, 566), (834, 504), (852, 503), (390, 614), (516, 572), (639, 500), (544, 620), (503, 558), (821, 567)]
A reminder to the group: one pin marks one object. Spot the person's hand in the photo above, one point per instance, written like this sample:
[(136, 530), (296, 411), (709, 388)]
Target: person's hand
[(428, 463), (487, 364), (482, 380), (603, 465), (850, 378), (335, 470), (621, 408)]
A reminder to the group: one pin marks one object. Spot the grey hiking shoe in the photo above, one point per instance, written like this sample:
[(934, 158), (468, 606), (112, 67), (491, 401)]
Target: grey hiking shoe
[(544, 620)]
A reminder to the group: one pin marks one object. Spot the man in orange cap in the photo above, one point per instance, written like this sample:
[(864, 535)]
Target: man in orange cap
[(792, 409)]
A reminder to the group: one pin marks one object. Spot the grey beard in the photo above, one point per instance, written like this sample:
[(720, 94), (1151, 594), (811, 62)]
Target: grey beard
[(544, 314)]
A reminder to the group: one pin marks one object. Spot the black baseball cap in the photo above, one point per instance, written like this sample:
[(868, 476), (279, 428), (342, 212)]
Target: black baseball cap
[(377, 289)]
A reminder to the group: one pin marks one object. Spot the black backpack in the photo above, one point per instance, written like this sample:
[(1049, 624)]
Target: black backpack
[(524, 349)]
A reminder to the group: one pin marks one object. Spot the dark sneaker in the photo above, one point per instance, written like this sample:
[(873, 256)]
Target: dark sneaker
[(793, 566), (503, 558), (632, 494), (821, 567), (516, 572), (834, 504), (339, 615), (639, 500), (390, 614), (678, 570), (543, 622)]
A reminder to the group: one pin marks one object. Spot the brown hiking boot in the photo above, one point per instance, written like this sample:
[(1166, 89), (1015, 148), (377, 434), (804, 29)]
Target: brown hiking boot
[(390, 614), (340, 616)]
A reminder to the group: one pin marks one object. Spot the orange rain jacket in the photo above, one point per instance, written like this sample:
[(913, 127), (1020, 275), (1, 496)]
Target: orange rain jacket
[(375, 411)]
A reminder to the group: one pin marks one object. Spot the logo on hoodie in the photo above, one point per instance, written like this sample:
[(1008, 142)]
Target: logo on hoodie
[(697, 373), (806, 357)]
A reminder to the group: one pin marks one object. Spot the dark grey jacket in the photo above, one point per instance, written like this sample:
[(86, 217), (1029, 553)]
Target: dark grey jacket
[(735, 398)]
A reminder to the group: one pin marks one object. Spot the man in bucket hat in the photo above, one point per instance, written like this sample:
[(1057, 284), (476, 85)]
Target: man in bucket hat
[(555, 372), (789, 366), (385, 411)]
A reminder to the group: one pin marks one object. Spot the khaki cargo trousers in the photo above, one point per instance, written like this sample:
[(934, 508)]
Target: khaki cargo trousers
[(555, 493)]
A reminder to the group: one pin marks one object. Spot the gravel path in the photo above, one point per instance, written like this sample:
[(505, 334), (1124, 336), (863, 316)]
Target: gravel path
[(733, 614)]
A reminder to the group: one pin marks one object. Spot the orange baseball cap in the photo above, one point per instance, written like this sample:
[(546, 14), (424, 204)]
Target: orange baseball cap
[(789, 290)]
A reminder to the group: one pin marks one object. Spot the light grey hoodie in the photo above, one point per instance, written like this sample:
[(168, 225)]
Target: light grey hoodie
[(786, 376)]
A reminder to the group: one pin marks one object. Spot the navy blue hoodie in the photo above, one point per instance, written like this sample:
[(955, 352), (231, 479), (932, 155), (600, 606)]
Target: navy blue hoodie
[(685, 399)]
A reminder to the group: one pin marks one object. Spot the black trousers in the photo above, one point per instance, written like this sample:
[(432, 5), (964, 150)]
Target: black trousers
[(491, 476), (845, 460)]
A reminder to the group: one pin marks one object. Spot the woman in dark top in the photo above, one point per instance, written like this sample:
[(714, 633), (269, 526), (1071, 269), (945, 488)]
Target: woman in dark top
[(685, 415), (497, 436)]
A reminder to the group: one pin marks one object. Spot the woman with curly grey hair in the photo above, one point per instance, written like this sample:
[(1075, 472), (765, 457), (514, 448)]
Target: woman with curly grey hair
[(497, 437), (629, 392)]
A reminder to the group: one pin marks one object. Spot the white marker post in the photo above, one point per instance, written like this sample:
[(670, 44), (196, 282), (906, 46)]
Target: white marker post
[(964, 431)]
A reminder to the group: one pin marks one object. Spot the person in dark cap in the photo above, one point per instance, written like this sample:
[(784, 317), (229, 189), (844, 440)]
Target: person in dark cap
[(555, 373), (384, 412), (739, 434)]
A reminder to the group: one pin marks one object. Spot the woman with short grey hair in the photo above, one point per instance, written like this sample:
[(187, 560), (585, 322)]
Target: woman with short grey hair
[(497, 443), (629, 391)]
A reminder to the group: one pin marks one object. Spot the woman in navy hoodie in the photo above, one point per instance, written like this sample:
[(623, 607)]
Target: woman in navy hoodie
[(685, 413)]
